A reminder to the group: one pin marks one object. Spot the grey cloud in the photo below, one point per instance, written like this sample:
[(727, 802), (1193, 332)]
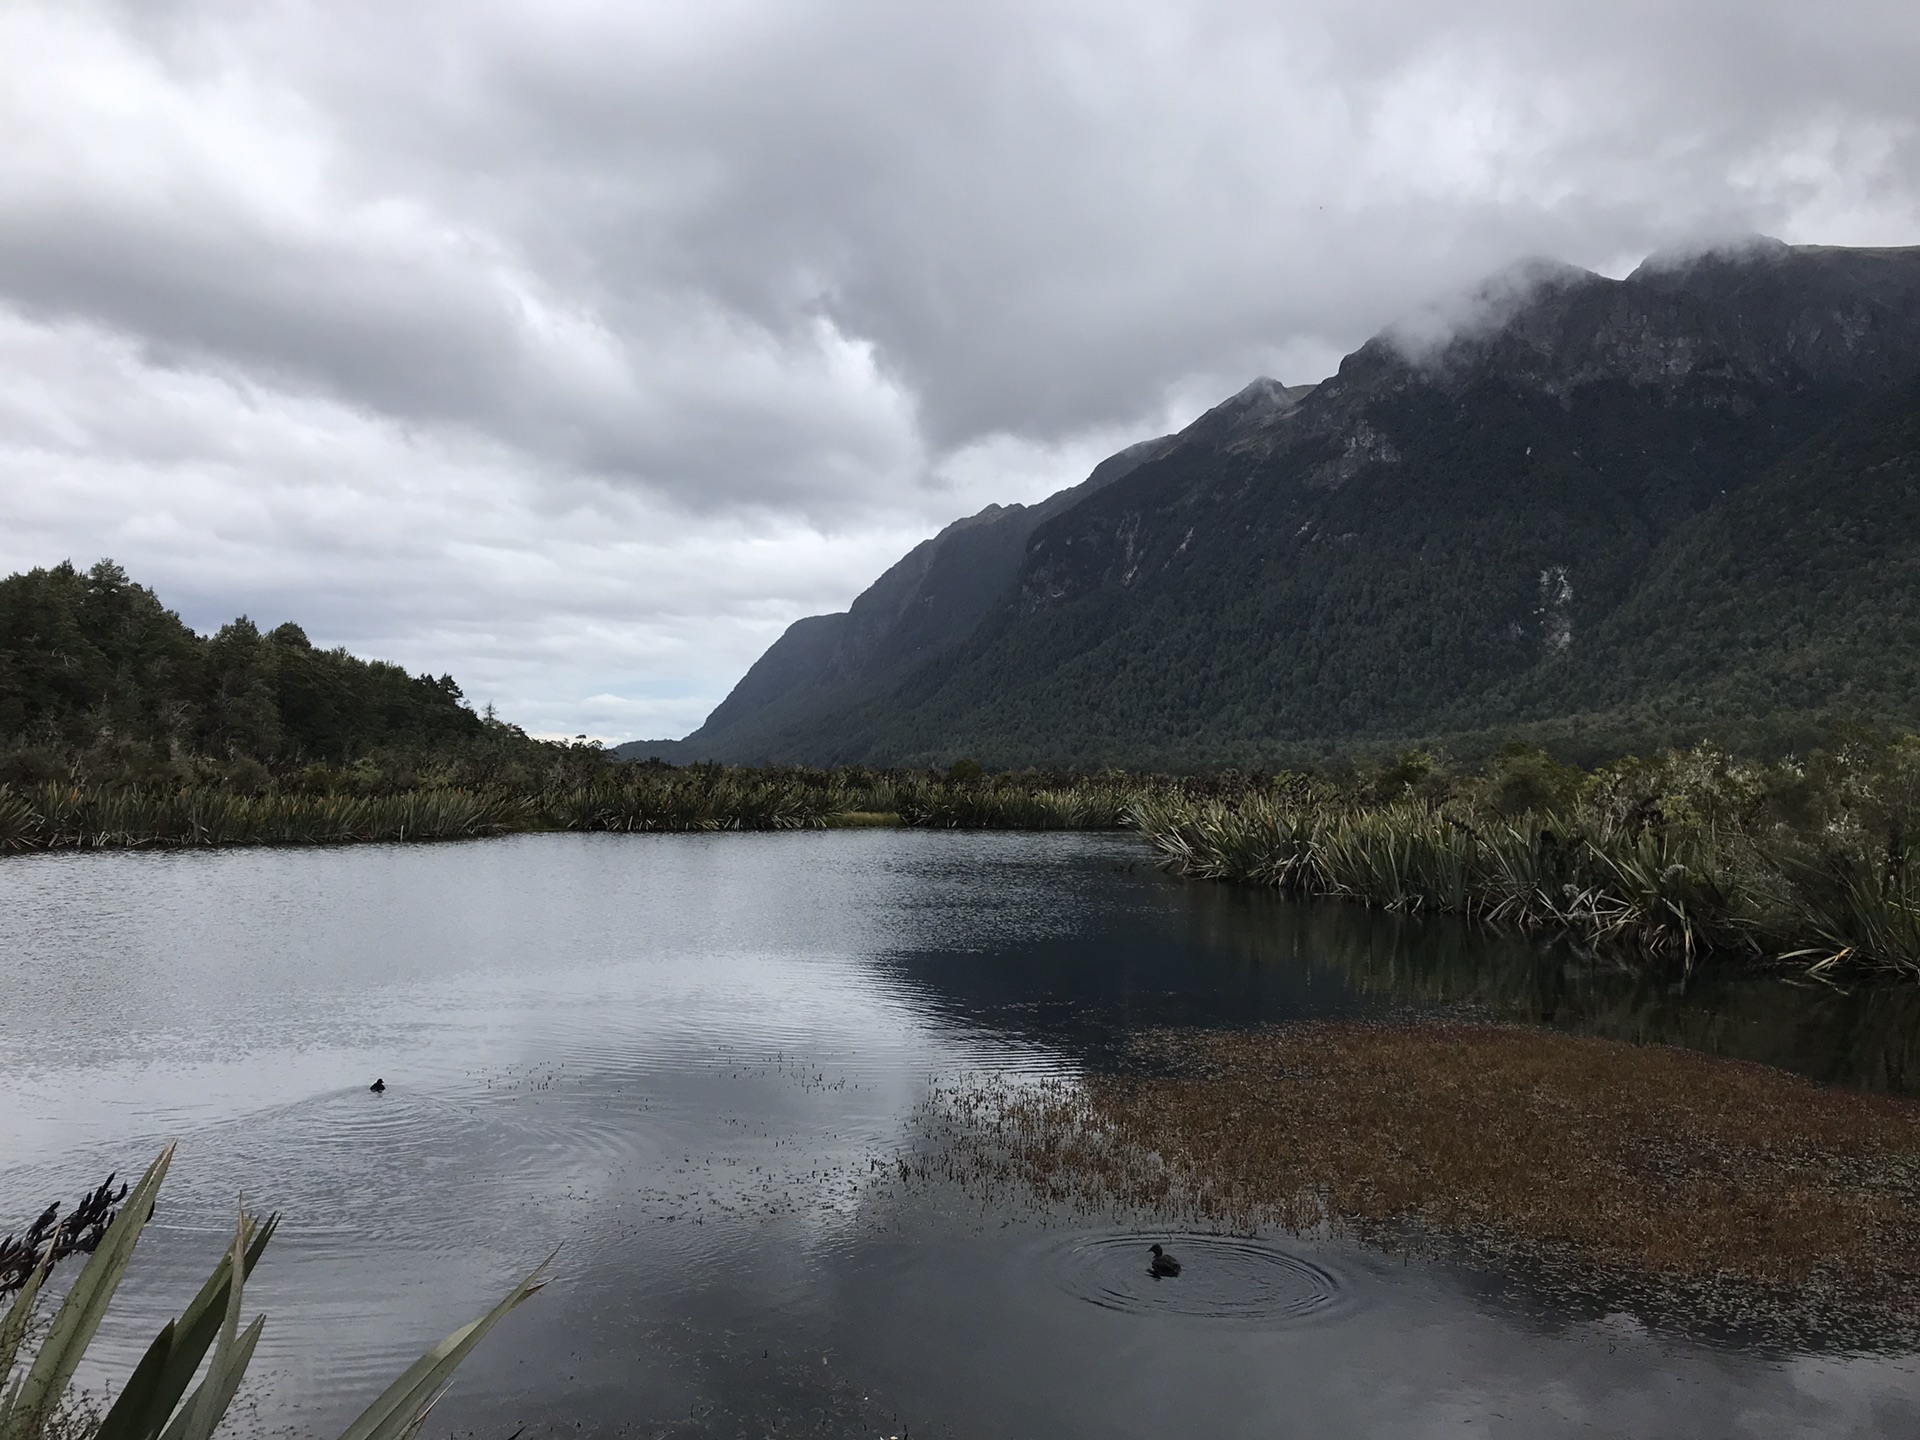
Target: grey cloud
[(454, 285), (1421, 334), (1043, 215)]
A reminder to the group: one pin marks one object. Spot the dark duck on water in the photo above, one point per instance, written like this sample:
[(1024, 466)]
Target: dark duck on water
[(1163, 1266), (378, 1086)]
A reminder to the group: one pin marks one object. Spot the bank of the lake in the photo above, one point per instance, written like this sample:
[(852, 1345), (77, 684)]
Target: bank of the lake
[(1659, 862), (1688, 853), (635, 799)]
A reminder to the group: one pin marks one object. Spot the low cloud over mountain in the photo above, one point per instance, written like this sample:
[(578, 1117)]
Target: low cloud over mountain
[(578, 349)]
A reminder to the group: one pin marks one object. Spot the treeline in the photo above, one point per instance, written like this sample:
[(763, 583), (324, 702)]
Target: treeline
[(1814, 860), (98, 678)]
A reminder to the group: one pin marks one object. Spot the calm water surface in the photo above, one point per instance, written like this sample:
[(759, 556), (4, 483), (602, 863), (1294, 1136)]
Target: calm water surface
[(692, 1062)]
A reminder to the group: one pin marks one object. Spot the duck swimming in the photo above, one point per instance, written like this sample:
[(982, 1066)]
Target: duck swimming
[(378, 1086), (1162, 1266)]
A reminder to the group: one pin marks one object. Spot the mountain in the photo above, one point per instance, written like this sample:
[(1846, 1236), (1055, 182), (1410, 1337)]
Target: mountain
[(928, 602), (1795, 596), (1598, 511)]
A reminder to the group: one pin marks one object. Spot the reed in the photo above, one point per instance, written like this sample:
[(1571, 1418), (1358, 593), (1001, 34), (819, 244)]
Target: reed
[(66, 816), (1691, 855), (1017, 804), (620, 799), (688, 801)]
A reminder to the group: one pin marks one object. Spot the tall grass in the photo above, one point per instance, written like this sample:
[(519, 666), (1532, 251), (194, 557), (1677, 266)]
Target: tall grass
[(158, 1400), (64, 816), (624, 799), (1016, 803), (1672, 859), (691, 800)]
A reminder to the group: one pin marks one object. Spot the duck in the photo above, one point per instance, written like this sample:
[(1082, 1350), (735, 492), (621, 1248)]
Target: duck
[(1162, 1266), (378, 1087)]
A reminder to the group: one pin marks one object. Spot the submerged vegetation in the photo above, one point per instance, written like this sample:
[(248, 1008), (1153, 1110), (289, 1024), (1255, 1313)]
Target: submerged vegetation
[(1862, 1032), (1705, 1189)]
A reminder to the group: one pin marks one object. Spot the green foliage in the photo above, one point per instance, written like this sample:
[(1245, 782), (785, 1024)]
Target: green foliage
[(542, 788), (701, 797), (1019, 803), (154, 1403), (61, 817), (1522, 778), (1614, 570), (1688, 851), (95, 671)]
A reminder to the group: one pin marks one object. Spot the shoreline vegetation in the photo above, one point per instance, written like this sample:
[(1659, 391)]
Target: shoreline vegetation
[(577, 791), (120, 727), (1814, 862), (1691, 852), (158, 1399), (1698, 1191)]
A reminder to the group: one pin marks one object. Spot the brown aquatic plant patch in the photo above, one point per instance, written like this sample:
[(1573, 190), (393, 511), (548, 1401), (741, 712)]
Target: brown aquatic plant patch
[(1595, 1161)]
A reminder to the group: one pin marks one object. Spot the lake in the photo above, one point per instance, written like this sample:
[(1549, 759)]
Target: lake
[(693, 1063)]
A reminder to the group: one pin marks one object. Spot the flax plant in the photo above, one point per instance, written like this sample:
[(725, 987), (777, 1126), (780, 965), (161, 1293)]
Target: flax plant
[(158, 1400), (1671, 860)]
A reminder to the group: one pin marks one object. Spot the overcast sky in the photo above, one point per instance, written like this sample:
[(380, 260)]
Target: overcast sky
[(576, 347)]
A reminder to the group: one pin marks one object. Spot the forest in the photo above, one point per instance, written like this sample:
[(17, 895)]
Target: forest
[(98, 677)]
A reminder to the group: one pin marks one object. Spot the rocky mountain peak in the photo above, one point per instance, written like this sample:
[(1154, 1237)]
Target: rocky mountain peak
[(1753, 312), (1459, 529)]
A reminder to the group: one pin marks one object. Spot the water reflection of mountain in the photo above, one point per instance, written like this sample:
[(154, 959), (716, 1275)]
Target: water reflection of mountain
[(1866, 1035), (1147, 951), (1138, 954)]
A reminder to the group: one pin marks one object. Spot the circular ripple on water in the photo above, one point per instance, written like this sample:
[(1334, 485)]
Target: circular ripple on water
[(1222, 1277)]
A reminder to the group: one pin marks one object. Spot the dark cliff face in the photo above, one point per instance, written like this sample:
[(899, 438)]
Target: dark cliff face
[(1440, 537), (1797, 592), (1436, 520), (931, 600), (1666, 388)]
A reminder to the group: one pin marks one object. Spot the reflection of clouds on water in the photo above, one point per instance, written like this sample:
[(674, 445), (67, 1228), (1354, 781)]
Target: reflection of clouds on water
[(695, 1060), (1399, 1351), (188, 987), (1482, 1373)]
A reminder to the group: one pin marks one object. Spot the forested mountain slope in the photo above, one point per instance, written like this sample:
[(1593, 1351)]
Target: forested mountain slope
[(1594, 499), (928, 602), (1795, 597)]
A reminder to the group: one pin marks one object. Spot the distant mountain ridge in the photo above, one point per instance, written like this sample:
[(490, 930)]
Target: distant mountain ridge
[(928, 601), (1509, 520)]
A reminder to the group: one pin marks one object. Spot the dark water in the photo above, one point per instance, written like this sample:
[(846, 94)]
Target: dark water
[(692, 1062)]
